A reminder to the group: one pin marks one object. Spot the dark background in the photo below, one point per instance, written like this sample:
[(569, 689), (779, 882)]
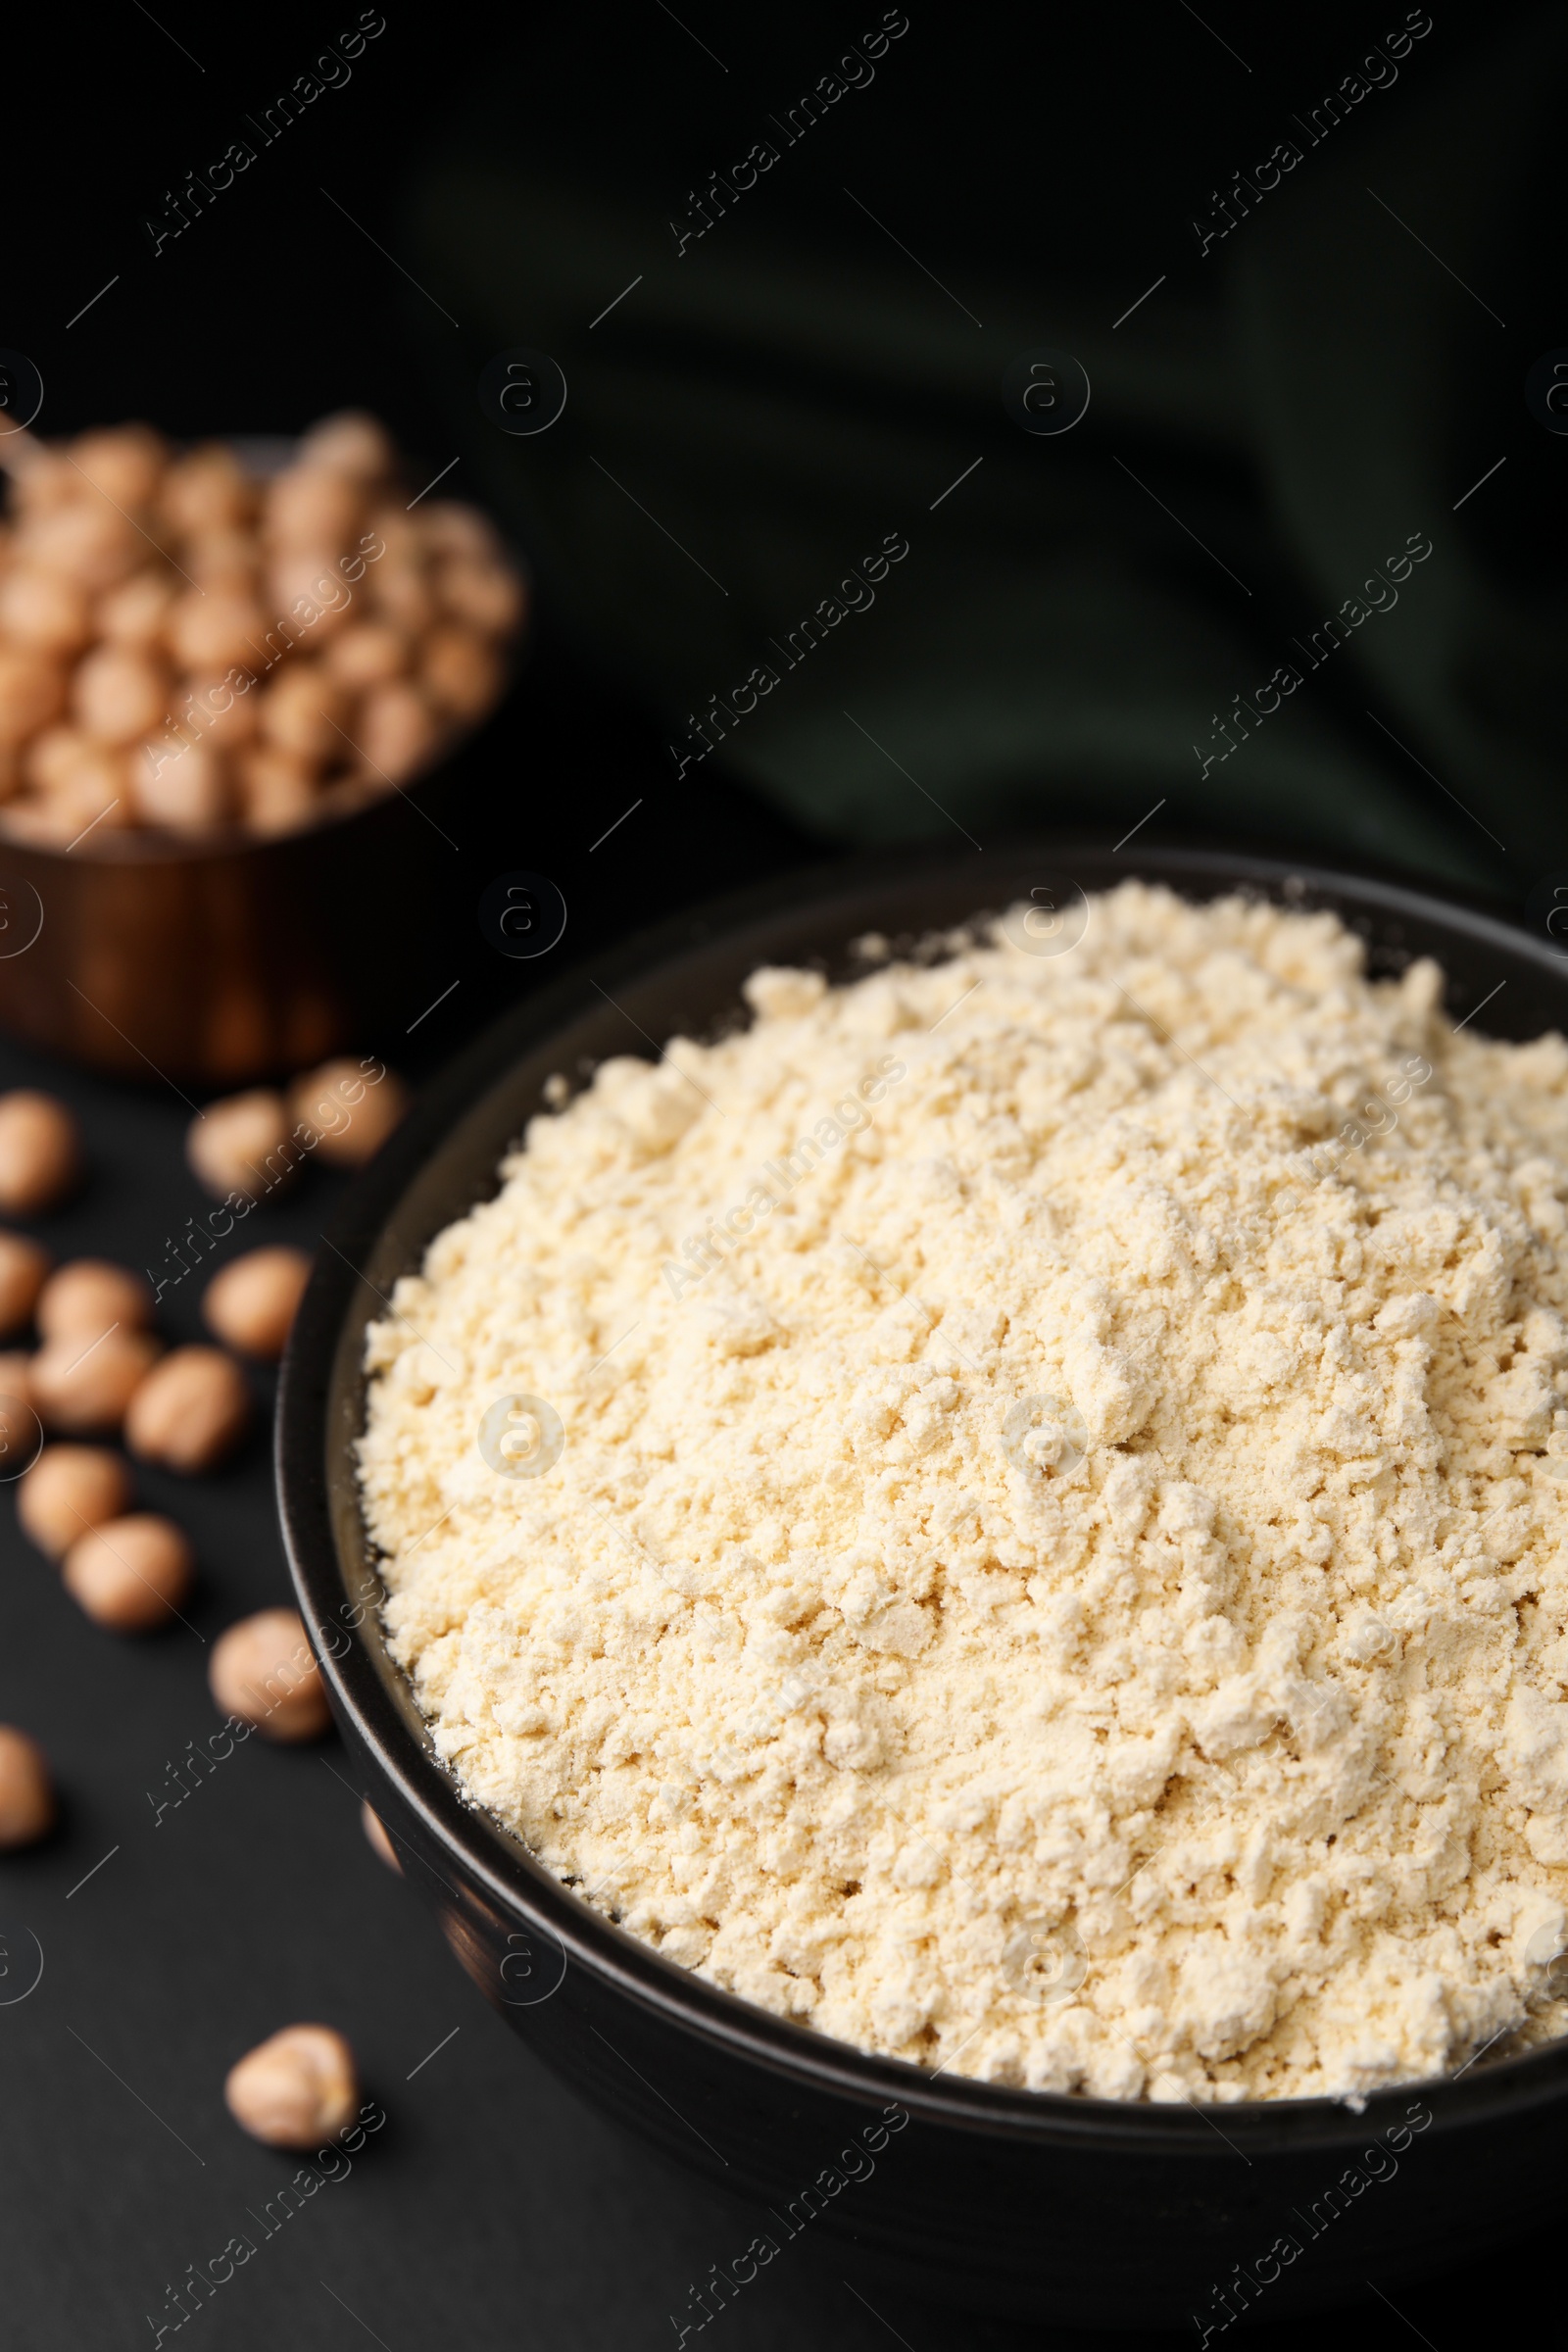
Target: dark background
[(493, 2210)]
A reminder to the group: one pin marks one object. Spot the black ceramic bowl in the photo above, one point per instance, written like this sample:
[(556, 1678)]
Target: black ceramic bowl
[(1066, 2209)]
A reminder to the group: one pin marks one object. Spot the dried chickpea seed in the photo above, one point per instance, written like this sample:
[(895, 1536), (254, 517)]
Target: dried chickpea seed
[(82, 1383), (26, 1794), (252, 1302), (130, 1574), (24, 1268), (296, 2089), (88, 1295), (352, 1111), (189, 1411), (229, 1145), (264, 1672), (69, 1491), (40, 1153)]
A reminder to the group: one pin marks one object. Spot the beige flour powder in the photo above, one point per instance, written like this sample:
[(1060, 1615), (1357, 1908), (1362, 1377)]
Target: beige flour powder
[(1074, 1589)]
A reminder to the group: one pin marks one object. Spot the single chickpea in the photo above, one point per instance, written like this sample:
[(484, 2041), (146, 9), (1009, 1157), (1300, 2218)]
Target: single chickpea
[(208, 491), (350, 443), (87, 541), (311, 507), (276, 790), (353, 1112), (124, 461), (296, 2091), (218, 630), (236, 1145), (119, 694), (485, 594), (189, 791), (263, 1671), (461, 671), (89, 1294), (370, 652), (304, 712), (402, 595), (68, 1492), (397, 731), (84, 1383), (381, 1844), (43, 609), (50, 758), (252, 1302), (94, 786), (449, 528), (136, 612), (190, 1411), (40, 1153), (228, 559), (33, 692), (307, 584), (24, 1270), (26, 1793), (130, 1574)]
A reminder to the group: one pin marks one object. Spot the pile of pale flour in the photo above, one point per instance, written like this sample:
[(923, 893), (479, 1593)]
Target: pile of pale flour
[(1040, 1577)]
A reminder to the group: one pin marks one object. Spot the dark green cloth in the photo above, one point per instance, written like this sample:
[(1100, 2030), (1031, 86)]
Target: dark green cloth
[(1304, 397)]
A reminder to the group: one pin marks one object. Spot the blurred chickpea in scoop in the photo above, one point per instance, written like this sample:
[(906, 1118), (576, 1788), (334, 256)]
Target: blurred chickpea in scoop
[(45, 608), (120, 694), (68, 1492), (312, 505), (123, 462), (352, 1110), (33, 692), (350, 443), (295, 2090), (188, 790), (40, 1153), (190, 1411), (251, 1303), (263, 1673), (26, 1794), (208, 491)]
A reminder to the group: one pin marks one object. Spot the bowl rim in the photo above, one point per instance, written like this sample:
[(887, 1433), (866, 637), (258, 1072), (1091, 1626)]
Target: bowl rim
[(361, 1678)]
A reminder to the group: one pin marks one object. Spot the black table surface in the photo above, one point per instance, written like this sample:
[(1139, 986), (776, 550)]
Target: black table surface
[(494, 2209)]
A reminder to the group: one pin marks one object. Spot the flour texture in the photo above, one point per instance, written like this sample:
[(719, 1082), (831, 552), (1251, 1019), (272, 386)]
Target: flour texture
[(1055, 1563)]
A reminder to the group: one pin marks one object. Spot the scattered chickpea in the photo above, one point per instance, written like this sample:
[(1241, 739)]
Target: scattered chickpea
[(304, 712), (353, 1115), (296, 2089), (381, 1844), (23, 1269), (229, 1145), (82, 1384), (88, 1295), (350, 443), (370, 652), (26, 1793), (263, 1671), (251, 1303), (69, 1491), (396, 731), (189, 1411), (130, 1574), (312, 505), (40, 1153), (276, 790)]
